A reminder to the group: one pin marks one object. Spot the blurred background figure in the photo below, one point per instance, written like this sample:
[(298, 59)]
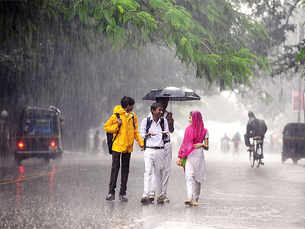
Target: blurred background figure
[(275, 141), (4, 135), (225, 143), (236, 143), (105, 146), (96, 142)]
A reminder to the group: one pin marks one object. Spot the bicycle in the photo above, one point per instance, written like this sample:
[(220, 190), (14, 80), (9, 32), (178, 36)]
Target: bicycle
[(256, 152)]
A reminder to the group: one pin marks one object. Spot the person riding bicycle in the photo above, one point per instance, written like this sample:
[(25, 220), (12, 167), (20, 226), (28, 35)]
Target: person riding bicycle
[(256, 129)]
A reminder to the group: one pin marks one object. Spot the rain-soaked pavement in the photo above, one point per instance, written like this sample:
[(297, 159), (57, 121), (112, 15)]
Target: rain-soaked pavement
[(71, 194)]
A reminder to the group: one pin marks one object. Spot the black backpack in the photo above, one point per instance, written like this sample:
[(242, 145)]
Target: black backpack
[(110, 139), (148, 124), (257, 127), (260, 128)]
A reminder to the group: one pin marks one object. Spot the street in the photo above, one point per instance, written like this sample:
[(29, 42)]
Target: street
[(71, 194)]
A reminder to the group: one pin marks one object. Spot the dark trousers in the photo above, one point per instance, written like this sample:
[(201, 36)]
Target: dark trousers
[(125, 159)]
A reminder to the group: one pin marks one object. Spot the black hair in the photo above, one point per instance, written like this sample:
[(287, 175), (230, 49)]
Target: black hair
[(251, 114), (154, 106), (125, 101)]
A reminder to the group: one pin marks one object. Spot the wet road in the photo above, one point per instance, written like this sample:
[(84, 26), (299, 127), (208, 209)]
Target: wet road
[(71, 194)]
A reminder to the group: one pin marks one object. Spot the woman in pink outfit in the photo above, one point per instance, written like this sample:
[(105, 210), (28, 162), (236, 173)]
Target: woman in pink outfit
[(196, 138)]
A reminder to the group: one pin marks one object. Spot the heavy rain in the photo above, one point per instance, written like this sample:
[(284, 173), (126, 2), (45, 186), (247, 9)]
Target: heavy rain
[(153, 114)]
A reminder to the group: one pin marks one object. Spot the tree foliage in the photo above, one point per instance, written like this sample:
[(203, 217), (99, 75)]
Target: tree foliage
[(208, 34), (302, 52), (74, 54), (278, 19)]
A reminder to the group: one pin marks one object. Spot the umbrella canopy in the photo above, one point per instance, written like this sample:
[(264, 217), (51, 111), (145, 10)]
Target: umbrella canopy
[(173, 94)]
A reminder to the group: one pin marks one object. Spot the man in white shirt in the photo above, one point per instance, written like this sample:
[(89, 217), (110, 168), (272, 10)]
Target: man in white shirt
[(154, 130), (167, 144)]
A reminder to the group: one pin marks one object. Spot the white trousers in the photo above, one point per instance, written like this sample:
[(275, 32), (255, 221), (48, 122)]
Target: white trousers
[(192, 188), (155, 164), (194, 173), (165, 173)]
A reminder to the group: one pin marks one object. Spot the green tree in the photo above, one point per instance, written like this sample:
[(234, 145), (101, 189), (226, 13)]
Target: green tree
[(302, 52), (79, 54), (277, 17), (206, 34)]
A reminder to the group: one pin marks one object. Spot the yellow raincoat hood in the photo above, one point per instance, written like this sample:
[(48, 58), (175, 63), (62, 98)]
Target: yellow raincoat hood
[(128, 131)]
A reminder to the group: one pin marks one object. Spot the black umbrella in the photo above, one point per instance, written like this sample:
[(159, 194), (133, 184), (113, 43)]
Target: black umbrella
[(173, 94)]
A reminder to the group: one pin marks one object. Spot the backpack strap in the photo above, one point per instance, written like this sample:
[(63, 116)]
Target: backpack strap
[(149, 121), (117, 133), (133, 121), (162, 127), (117, 115), (162, 123), (148, 124)]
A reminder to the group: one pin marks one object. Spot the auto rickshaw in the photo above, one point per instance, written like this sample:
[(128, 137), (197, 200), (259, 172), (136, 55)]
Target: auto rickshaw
[(293, 142), (39, 134)]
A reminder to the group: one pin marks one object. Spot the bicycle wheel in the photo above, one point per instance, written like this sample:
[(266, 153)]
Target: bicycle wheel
[(258, 155), (251, 158)]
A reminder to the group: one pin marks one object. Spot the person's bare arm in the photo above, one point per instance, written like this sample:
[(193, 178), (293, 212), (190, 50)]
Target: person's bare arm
[(205, 144)]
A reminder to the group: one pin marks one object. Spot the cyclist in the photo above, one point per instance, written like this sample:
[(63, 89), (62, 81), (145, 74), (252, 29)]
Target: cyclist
[(256, 129)]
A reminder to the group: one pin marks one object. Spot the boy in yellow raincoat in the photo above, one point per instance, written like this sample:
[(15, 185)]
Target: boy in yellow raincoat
[(126, 129)]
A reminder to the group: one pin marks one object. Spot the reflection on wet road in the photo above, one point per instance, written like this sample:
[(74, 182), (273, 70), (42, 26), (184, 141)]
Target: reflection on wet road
[(70, 194)]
